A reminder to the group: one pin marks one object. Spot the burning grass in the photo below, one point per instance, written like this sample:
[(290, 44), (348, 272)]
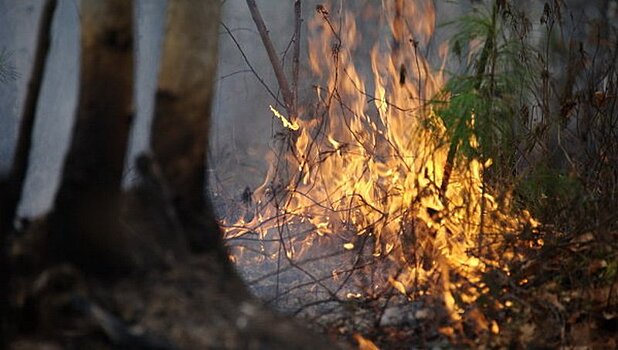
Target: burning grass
[(376, 212)]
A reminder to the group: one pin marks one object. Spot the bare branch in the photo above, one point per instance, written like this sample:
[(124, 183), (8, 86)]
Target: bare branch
[(244, 56), (288, 97), (296, 60)]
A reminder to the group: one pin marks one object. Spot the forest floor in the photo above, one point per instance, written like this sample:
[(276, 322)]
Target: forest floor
[(199, 303), (565, 295)]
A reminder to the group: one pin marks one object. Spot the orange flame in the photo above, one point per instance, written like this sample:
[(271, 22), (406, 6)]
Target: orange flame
[(371, 159), (365, 344)]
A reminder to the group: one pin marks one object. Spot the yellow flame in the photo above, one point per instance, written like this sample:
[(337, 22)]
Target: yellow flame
[(365, 344), (378, 162), (286, 123)]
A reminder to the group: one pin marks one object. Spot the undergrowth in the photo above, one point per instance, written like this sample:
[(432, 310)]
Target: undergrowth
[(539, 95)]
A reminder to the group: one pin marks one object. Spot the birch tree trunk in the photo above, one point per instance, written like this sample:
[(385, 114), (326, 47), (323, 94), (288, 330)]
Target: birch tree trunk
[(182, 110)]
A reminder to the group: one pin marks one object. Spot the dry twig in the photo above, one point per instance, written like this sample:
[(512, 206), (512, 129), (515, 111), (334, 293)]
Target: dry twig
[(297, 21)]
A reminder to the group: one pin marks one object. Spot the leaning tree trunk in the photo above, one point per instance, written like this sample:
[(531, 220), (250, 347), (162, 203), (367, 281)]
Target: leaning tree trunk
[(11, 185), (84, 225)]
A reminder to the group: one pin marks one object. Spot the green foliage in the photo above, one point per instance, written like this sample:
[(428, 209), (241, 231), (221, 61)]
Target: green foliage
[(491, 86), (545, 110), (522, 92), (547, 191)]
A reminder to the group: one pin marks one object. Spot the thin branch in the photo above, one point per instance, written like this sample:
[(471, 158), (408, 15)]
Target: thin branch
[(288, 97), (296, 60), (229, 75), (244, 56)]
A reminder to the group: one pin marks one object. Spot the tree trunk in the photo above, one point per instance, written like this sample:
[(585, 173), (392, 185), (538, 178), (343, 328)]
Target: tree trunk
[(182, 110), (191, 301), (84, 225), (12, 185)]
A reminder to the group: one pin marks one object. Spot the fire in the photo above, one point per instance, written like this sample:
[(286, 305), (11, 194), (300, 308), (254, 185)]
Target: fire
[(364, 171), (285, 121)]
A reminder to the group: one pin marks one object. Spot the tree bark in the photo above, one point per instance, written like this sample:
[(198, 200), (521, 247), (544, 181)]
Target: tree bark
[(84, 225), (182, 110)]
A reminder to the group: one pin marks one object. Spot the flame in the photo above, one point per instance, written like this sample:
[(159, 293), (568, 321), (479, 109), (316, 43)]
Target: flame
[(285, 121), (364, 343), (370, 160)]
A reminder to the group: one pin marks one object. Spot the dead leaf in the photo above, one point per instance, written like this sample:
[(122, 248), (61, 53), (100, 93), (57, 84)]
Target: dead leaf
[(553, 300), (478, 319), (585, 238), (527, 333), (596, 265)]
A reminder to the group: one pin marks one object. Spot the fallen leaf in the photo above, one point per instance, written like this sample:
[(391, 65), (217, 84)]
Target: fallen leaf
[(527, 332), (478, 319)]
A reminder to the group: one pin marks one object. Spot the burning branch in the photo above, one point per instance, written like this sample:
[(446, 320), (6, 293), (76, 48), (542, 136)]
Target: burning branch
[(365, 182)]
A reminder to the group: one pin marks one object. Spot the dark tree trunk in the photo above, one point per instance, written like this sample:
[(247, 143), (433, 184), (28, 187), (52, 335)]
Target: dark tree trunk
[(84, 226), (11, 185)]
